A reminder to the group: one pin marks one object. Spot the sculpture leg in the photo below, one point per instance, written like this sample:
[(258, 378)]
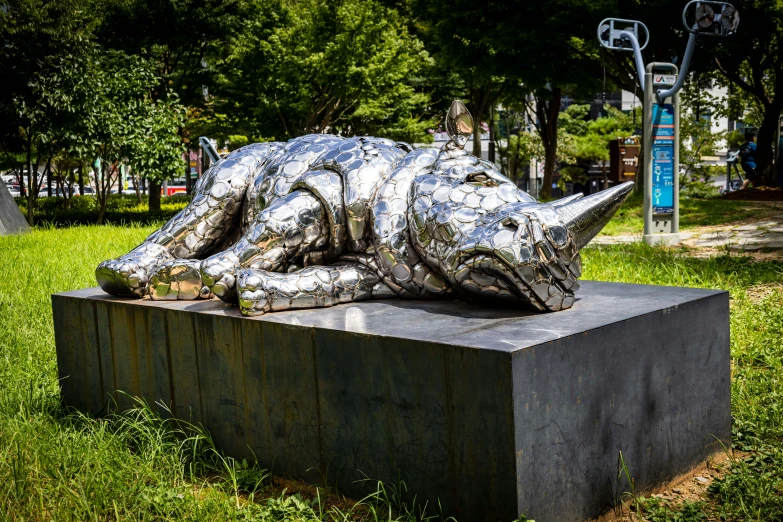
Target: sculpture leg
[(314, 287), (289, 228), (195, 230)]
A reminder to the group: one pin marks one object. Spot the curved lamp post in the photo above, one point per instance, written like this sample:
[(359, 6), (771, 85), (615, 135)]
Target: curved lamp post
[(661, 83)]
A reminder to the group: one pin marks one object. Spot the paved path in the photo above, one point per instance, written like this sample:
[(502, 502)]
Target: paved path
[(764, 235)]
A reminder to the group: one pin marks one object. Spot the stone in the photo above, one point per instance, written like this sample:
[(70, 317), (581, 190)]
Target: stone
[(490, 412), (701, 480), (746, 247), (715, 235), (11, 219), (712, 244), (746, 228)]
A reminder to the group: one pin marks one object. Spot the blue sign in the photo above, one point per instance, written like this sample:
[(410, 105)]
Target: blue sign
[(663, 158)]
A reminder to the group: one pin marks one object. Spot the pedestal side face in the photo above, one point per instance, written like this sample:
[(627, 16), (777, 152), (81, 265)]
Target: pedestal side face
[(312, 402), (655, 387)]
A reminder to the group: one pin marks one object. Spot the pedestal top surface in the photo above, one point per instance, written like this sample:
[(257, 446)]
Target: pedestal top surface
[(458, 323)]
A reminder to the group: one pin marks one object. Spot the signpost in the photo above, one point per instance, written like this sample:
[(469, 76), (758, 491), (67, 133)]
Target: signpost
[(661, 83), (661, 157)]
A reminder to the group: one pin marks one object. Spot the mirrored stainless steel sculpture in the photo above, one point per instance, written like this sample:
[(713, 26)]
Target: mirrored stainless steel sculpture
[(322, 220)]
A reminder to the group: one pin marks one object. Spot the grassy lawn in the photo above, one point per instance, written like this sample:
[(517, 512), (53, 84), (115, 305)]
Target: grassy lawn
[(59, 465), (693, 213)]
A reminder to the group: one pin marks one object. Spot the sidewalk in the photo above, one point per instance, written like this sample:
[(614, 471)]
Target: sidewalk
[(764, 235)]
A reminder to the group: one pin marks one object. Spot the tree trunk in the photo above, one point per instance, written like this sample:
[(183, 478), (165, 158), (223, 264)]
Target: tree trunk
[(154, 199), (477, 136), (31, 194), (49, 179), (550, 160), (71, 181), (547, 112), (766, 144), (479, 98), (103, 186), (188, 182), (136, 183), (491, 151), (81, 179)]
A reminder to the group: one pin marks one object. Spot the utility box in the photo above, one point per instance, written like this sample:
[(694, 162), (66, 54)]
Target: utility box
[(623, 159)]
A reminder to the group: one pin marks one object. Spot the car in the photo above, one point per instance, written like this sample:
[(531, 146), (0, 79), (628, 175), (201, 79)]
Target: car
[(14, 190)]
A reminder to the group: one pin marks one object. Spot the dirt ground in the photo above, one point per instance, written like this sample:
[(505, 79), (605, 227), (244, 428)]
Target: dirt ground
[(756, 194), (690, 486)]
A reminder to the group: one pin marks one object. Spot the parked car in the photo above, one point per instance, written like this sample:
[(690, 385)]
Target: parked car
[(14, 190)]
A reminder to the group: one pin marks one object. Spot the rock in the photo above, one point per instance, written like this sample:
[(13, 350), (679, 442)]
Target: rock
[(713, 243), (745, 248), (715, 235), (677, 491), (746, 228), (701, 480)]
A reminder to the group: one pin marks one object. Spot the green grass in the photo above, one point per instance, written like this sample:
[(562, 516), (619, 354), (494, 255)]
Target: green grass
[(753, 489), (629, 220), (59, 465)]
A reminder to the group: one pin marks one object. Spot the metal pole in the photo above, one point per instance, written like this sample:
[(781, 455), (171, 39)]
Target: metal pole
[(686, 62), (647, 147), (676, 167), (637, 54)]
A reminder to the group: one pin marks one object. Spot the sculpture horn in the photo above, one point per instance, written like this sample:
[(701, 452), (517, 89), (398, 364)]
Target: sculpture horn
[(567, 200), (585, 217)]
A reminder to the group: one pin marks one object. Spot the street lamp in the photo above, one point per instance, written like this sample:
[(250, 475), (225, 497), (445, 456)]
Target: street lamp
[(661, 83)]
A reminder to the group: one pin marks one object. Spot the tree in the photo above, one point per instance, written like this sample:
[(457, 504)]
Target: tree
[(348, 66), (180, 39), (752, 61), (122, 120), (697, 137), (43, 44), (154, 147), (590, 139)]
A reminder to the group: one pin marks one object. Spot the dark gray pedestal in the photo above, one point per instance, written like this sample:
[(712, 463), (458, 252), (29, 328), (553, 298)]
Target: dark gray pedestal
[(494, 412)]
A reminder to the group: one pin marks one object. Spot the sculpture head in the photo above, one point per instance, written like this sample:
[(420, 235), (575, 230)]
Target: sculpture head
[(487, 237)]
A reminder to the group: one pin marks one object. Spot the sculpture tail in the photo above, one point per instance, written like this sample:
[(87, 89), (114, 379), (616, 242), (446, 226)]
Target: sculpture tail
[(585, 217)]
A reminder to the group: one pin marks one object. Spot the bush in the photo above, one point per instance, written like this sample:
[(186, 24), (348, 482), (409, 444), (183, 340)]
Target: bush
[(698, 182), (120, 208)]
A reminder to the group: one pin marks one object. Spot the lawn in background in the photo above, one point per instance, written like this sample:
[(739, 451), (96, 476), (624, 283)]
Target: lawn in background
[(59, 465), (694, 212)]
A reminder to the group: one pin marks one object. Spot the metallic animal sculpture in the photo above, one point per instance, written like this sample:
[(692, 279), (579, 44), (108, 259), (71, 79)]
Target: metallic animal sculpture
[(322, 220)]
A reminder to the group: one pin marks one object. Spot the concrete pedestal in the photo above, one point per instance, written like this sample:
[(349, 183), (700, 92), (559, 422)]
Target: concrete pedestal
[(495, 412)]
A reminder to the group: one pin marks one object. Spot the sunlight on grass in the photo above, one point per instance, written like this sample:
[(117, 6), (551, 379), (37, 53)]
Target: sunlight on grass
[(61, 465), (629, 220), (56, 464)]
